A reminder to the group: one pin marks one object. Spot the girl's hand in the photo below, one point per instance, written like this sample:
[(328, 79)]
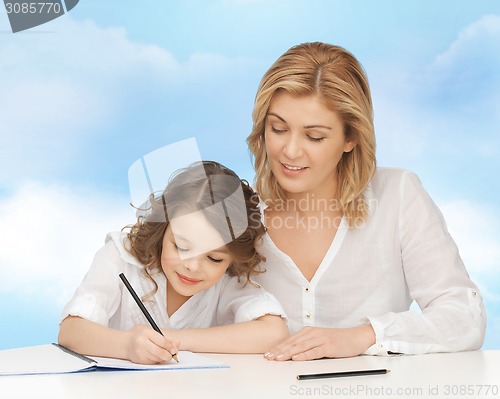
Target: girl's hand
[(315, 343), (146, 346)]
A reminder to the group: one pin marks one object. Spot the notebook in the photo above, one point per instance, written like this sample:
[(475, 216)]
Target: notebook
[(56, 359)]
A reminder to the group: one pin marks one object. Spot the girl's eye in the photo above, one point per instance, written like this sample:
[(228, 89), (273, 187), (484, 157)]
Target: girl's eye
[(316, 139), (214, 260), (179, 249)]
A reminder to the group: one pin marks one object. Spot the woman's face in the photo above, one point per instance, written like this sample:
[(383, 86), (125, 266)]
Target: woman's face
[(304, 143)]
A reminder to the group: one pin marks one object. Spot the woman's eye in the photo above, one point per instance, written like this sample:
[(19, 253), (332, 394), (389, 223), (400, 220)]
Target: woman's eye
[(316, 139), (214, 260), (275, 130)]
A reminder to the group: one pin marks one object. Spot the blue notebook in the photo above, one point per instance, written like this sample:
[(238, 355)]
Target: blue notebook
[(56, 359)]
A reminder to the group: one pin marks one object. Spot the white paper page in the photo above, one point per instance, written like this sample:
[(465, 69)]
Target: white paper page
[(42, 359), (187, 360)]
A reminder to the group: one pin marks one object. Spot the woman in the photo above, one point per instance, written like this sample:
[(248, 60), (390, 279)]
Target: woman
[(349, 246)]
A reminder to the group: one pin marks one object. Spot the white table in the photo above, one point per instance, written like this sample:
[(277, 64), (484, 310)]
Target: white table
[(456, 375)]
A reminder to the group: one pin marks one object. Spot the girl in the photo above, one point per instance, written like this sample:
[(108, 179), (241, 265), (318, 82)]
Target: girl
[(349, 246), (191, 259)]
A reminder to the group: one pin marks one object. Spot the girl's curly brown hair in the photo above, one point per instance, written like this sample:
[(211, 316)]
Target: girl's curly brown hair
[(191, 191)]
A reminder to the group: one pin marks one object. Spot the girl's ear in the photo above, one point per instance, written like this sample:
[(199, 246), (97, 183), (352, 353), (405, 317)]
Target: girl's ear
[(232, 269)]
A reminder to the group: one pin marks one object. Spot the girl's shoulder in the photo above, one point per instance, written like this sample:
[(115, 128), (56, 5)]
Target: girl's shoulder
[(239, 286), (118, 242)]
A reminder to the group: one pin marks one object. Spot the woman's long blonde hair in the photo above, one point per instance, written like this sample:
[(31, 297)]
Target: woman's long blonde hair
[(337, 77)]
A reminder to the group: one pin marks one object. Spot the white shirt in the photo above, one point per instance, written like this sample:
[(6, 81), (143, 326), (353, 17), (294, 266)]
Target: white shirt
[(103, 298), (373, 273)]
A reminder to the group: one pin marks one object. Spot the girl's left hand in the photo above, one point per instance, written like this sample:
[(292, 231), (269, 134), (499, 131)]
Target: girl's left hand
[(316, 343)]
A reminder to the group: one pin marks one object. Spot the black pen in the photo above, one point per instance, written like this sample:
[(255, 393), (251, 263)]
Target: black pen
[(143, 308), (342, 374)]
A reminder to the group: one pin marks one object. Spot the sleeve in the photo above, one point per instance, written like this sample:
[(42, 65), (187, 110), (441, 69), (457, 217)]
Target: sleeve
[(452, 317), (99, 295), (239, 302)]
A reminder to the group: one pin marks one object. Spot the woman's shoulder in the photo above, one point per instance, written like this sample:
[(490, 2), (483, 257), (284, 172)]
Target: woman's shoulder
[(392, 188), (390, 185), (391, 173), (391, 177)]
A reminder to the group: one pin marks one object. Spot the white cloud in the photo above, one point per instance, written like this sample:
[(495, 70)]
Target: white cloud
[(64, 88), (467, 73), (49, 236), (476, 40), (476, 230), (447, 108)]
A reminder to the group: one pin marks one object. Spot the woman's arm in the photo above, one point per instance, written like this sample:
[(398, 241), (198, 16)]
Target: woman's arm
[(316, 342), (256, 336), (140, 344), (452, 316)]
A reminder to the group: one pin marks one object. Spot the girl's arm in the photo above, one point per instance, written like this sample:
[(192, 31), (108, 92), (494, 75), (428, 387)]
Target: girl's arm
[(256, 336), (140, 344)]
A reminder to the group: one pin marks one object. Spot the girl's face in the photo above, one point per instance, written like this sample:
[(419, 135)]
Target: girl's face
[(304, 143), (193, 256)]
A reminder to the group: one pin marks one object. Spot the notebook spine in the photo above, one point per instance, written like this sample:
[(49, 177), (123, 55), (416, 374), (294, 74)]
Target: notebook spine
[(78, 355)]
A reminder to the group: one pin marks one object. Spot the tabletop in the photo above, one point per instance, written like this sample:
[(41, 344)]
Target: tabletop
[(474, 374)]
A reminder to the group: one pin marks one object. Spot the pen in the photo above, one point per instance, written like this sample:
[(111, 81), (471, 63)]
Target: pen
[(342, 374), (143, 308)]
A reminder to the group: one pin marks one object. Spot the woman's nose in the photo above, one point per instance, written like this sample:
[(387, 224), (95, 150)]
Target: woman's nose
[(293, 146)]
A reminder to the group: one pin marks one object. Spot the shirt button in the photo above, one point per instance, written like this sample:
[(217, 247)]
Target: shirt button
[(308, 315), (307, 289)]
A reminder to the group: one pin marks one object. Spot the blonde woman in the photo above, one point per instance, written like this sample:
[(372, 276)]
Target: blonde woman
[(349, 246)]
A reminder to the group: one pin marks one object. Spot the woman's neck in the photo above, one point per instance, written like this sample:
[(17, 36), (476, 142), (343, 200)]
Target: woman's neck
[(311, 202)]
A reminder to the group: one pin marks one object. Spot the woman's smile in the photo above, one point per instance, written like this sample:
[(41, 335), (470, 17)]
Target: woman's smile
[(291, 170), (305, 141)]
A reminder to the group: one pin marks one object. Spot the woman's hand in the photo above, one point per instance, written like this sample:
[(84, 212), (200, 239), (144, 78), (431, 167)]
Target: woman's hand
[(146, 346), (316, 342)]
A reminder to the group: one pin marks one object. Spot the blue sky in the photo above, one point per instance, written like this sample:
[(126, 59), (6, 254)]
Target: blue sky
[(84, 96)]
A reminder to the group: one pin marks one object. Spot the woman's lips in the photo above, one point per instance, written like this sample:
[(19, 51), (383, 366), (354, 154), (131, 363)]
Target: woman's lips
[(292, 170)]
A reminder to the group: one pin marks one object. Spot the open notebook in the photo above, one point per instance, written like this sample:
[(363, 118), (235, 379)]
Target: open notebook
[(56, 359)]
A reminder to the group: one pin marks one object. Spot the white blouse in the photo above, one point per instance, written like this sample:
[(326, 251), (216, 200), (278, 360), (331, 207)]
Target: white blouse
[(372, 274), (103, 298)]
